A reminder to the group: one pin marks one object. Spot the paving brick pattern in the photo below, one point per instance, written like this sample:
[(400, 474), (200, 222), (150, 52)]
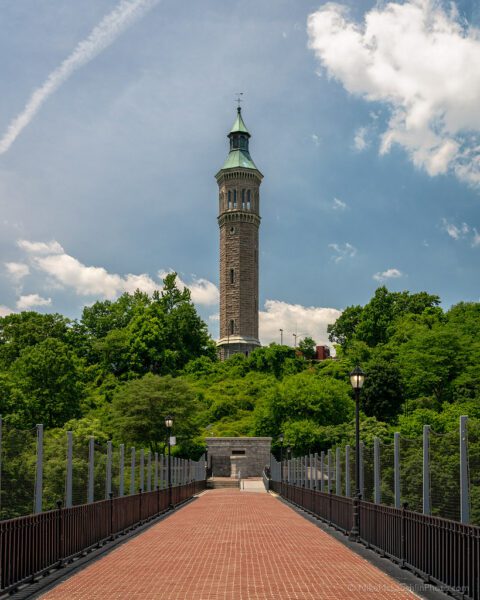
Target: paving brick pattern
[(235, 546)]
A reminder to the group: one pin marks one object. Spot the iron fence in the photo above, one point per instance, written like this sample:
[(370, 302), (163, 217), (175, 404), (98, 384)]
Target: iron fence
[(33, 545)]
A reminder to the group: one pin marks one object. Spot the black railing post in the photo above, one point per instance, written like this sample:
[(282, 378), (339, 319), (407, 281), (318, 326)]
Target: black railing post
[(403, 535), (140, 505), (110, 497), (158, 499), (60, 552)]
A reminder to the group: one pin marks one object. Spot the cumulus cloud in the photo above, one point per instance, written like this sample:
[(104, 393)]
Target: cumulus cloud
[(110, 27), (342, 251), (360, 141), (417, 59), (17, 271), (388, 274), (66, 271), (52, 247), (339, 204), (32, 300), (4, 311), (311, 321)]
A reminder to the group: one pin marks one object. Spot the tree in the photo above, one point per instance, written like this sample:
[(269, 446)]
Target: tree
[(140, 406), (373, 323), (307, 348), (168, 333), (345, 326), (49, 380), (22, 330), (382, 393), (275, 359), (307, 396)]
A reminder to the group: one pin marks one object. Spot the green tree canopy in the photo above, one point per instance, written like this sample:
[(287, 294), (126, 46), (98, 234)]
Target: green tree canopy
[(19, 331), (47, 376), (140, 406)]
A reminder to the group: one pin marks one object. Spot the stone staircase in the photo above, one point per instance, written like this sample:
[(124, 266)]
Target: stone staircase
[(215, 483)]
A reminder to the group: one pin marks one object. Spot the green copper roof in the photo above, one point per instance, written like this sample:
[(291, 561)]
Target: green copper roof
[(239, 126), (239, 158)]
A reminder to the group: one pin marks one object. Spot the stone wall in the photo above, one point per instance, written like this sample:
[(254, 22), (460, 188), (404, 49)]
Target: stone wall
[(227, 457)]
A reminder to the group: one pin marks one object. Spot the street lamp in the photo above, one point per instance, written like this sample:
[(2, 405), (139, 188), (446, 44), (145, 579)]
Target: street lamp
[(281, 337), (280, 439), (169, 425), (357, 379)]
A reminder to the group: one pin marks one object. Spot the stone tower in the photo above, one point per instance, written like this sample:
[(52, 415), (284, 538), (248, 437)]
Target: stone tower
[(239, 219)]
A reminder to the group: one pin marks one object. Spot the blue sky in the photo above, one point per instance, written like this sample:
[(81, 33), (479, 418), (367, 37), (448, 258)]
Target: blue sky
[(365, 121)]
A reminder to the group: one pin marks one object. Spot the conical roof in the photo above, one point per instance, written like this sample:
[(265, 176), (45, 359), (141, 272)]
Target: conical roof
[(239, 126)]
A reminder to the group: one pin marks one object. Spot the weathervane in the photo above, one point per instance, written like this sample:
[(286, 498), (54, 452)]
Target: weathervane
[(239, 98)]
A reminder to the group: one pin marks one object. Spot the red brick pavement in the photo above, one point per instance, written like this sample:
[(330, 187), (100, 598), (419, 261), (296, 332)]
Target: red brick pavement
[(229, 545)]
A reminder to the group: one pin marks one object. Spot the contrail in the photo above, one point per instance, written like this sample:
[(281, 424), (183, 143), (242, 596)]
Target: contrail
[(110, 27)]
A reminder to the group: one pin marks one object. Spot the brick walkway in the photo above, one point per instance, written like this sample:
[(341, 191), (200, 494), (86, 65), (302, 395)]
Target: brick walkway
[(228, 545)]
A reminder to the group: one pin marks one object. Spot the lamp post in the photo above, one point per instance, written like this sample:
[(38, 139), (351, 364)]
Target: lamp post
[(357, 378), (280, 439), (169, 425), (281, 337)]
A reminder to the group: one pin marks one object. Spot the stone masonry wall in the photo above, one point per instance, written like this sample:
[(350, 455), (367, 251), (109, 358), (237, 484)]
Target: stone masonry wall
[(222, 458)]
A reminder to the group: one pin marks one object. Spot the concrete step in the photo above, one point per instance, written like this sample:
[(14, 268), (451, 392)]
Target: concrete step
[(222, 482)]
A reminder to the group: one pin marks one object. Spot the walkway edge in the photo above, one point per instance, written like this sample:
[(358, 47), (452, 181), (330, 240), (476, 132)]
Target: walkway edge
[(414, 584), (48, 582)]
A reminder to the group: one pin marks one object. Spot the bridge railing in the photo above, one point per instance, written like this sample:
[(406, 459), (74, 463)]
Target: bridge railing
[(442, 551), (34, 545), (39, 467)]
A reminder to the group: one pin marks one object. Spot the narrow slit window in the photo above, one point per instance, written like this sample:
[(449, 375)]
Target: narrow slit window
[(234, 198), (232, 275), (249, 204), (229, 199), (232, 327), (243, 199)]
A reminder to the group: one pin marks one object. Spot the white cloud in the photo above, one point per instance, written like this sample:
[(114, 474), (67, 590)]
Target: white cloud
[(203, 291), (360, 141), (31, 300), (110, 27), (342, 251), (17, 271), (339, 204), (309, 321), (52, 247), (418, 59), (476, 238), (460, 232), (388, 274), (315, 139), (4, 311), (65, 271), (214, 318)]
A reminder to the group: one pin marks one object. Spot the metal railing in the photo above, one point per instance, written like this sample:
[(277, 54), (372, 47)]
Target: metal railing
[(33, 545), (439, 550)]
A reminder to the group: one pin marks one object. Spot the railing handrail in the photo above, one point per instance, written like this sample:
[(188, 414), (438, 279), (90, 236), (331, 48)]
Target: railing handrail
[(33, 544), (401, 535)]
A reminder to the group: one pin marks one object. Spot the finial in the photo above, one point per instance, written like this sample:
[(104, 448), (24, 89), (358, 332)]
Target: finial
[(239, 99)]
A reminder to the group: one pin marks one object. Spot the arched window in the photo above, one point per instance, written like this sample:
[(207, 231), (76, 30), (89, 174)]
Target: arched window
[(243, 199), (232, 327), (234, 198), (232, 275), (249, 203), (229, 199)]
